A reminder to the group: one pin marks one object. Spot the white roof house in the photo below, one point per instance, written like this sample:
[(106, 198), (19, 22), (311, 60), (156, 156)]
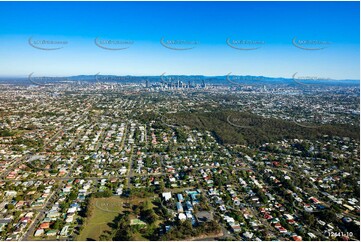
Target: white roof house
[(182, 216), (167, 195), (39, 232)]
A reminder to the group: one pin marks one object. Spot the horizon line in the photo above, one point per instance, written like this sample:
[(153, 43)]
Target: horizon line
[(319, 78)]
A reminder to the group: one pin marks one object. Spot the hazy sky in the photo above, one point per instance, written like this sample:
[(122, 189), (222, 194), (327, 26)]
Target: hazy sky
[(204, 26)]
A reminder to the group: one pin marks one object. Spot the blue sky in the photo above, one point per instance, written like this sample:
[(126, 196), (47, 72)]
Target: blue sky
[(208, 23)]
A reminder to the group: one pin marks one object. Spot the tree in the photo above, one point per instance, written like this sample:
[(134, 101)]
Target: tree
[(57, 225), (10, 206), (124, 230), (72, 196)]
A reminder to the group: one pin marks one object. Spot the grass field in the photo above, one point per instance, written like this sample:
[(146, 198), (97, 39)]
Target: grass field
[(104, 211), (99, 219)]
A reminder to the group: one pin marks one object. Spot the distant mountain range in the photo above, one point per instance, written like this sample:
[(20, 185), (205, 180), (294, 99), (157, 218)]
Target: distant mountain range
[(215, 80)]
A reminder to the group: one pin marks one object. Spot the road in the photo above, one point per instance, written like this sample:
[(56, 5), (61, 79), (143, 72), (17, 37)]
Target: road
[(130, 171), (41, 213), (225, 232), (14, 165)]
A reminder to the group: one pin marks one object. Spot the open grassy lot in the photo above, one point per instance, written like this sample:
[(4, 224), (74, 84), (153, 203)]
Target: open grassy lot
[(104, 210)]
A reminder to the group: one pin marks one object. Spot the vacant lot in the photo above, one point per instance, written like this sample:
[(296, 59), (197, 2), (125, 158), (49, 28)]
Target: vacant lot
[(104, 210)]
